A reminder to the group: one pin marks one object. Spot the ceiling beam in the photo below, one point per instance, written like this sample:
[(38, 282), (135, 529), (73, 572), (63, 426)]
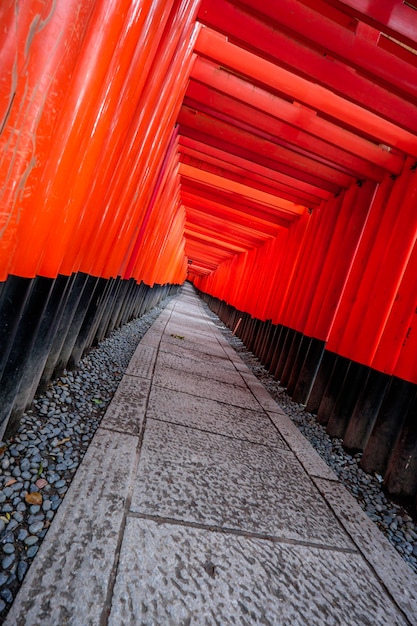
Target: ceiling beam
[(251, 33)]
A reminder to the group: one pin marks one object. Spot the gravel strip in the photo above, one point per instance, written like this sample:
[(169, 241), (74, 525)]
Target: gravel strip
[(392, 519), (39, 462)]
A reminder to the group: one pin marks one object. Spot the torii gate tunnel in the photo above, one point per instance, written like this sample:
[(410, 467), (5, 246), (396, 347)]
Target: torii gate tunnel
[(265, 151)]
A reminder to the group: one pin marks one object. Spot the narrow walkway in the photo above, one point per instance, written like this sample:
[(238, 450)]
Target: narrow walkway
[(199, 502)]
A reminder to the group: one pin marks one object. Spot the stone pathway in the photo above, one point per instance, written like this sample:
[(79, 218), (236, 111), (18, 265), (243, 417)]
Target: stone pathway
[(200, 502)]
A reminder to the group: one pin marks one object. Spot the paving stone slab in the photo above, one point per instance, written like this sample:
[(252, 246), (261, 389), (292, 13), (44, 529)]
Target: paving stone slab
[(126, 411), (174, 575), (204, 478), (205, 387), (196, 354), (261, 394), (194, 343), (194, 325), (151, 338), (200, 367), (67, 582), (235, 359), (216, 417), (395, 574), (143, 361), (303, 450)]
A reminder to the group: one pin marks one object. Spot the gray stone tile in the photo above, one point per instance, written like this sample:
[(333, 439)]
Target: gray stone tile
[(200, 477), (142, 362), (216, 417), (191, 342), (151, 338), (382, 556), (191, 326), (196, 355), (261, 394), (305, 453), (126, 411), (200, 367), (67, 582), (205, 387), (173, 575)]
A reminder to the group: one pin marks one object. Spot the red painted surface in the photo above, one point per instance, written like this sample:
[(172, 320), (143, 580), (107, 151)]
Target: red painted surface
[(269, 155)]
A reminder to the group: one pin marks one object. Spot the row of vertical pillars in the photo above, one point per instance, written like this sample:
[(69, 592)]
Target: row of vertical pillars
[(372, 412), (47, 325)]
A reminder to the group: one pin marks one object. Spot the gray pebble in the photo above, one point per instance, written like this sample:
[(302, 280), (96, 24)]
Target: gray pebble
[(60, 483), (2, 605), (8, 548), (12, 525), (7, 595), (7, 561), (32, 551), (31, 540), (21, 570), (35, 528), (18, 516), (3, 578)]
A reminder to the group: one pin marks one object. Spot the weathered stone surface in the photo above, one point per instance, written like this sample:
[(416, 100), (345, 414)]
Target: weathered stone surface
[(195, 354), (263, 397), (200, 367), (192, 342), (305, 453), (212, 416), (380, 554), (126, 411), (199, 477), (205, 387), (143, 362), (68, 581), (174, 575), (152, 338)]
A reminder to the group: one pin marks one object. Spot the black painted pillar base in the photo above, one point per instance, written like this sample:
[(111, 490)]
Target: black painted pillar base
[(271, 346), (13, 297), (366, 411), (19, 356), (320, 382), (308, 371), (80, 344), (76, 323), (68, 310), (401, 475), (352, 386), (276, 350), (303, 345), (288, 337), (389, 422), (292, 352), (333, 389), (38, 355)]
